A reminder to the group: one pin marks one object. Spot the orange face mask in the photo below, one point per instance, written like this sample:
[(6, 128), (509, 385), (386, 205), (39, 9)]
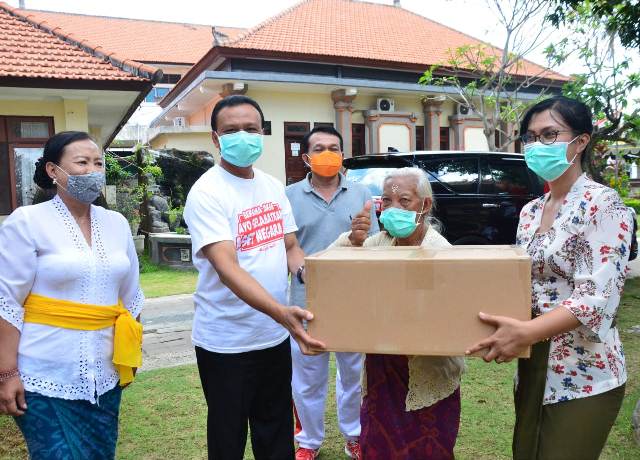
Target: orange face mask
[(326, 164)]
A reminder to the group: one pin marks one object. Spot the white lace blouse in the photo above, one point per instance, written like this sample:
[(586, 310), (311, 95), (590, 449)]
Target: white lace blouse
[(43, 251)]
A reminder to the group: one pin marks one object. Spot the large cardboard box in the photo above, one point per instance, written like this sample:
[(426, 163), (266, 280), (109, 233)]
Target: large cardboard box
[(412, 300)]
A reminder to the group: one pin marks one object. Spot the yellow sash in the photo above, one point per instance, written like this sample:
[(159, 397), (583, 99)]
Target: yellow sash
[(127, 338)]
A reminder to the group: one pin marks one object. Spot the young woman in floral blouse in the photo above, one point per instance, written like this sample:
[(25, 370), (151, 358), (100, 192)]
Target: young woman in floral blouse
[(578, 235)]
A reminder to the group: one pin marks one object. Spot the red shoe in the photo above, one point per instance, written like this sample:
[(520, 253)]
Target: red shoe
[(302, 453), (352, 449)]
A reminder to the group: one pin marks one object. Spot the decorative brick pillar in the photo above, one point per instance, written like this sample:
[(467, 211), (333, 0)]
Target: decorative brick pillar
[(456, 124), (343, 105), (432, 110), (375, 120)]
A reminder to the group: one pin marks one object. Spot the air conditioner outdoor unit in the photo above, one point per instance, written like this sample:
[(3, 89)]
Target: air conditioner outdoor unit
[(180, 122), (385, 104), (462, 109)]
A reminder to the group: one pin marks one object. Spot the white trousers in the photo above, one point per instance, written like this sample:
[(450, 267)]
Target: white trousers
[(310, 383)]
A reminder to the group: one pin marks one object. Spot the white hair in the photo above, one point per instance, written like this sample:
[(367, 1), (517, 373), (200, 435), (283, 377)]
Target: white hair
[(423, 186)]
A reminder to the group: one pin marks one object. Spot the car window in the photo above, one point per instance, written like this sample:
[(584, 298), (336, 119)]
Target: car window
[(507, 177), (457, 175), (371, 177)]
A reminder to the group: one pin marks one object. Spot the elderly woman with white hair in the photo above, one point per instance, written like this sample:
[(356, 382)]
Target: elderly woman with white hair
[(411, 404)]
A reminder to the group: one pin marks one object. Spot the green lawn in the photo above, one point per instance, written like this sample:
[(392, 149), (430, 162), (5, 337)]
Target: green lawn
[(164, 414), (168, 282), (158, 281)]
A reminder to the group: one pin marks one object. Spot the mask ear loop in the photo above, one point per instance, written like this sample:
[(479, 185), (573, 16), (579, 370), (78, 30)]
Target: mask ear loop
[(61, 169), (576, 155), (420, 213), (55, 181)]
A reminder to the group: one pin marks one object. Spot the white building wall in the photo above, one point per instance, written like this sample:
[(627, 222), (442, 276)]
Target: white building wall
[(280, 107)]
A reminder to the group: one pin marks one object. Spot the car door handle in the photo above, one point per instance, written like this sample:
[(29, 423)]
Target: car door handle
[(490, 205)]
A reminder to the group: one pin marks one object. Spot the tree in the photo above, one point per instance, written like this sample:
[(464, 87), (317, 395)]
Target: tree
[(619, 16), (490, 81), (605, 85)]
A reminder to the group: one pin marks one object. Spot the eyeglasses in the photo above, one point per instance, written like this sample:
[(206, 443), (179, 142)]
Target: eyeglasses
[(547, 137)]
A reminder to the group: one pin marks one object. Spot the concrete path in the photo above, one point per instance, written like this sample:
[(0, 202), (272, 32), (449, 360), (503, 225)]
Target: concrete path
[(167, 332)]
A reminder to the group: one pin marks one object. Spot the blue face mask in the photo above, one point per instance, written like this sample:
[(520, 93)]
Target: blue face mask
[(399, 223), (548, 161), (241, 148)]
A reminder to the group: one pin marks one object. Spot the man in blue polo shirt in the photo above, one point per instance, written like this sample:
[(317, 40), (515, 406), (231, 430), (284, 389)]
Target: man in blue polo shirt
[(323, 205)]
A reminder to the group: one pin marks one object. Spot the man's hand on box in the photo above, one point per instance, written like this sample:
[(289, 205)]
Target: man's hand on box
[(507, 342), (291, 319), (360, 225)]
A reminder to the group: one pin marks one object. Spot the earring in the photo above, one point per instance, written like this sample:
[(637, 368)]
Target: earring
[(55, 181)]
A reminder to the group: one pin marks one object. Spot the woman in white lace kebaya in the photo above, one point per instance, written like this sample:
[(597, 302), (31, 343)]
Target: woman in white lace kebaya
[(578, 236), (69, 296), (411, 404)]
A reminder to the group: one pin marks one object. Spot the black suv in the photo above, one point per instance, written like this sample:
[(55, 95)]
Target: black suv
[(478, 195)]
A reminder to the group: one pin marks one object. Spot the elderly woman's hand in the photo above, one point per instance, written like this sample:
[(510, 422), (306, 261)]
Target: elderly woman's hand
[(510, 339), (360, 226), (12, 401)]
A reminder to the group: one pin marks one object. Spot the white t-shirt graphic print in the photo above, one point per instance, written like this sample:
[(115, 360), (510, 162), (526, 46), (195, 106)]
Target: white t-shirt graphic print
[(255, 215), (259, 226)]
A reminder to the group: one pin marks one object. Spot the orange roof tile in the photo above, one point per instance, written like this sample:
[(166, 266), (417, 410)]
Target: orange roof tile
[(361, 30), (33, 51), (141, 40)]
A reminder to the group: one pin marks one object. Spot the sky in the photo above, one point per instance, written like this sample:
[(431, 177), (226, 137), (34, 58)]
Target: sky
[(478, 19)]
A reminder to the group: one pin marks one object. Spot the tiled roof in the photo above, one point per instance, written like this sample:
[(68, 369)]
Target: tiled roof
[(361, 30), (141, 40), (42, 51)]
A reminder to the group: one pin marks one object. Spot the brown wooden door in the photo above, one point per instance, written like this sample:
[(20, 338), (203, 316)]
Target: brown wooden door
[(419, 137), (7, 187), (358, 145), (18, 132), (444, 138), (295, 168)]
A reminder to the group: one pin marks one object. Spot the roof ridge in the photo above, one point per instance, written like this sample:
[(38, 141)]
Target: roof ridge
[(128, 19), (266, 22), (480, 41), (484, 42), (127, 65)]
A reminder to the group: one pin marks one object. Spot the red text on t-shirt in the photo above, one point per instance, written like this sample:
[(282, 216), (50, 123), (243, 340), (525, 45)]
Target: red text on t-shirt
[(259, 226)]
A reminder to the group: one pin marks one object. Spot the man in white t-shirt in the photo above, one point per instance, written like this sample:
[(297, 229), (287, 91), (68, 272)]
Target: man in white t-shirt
[(244, 247)]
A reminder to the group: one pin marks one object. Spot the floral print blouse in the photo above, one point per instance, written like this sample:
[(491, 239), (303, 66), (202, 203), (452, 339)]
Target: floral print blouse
[(580, 264)]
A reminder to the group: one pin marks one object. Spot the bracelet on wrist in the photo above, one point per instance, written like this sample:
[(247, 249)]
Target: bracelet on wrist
[(6, 375)]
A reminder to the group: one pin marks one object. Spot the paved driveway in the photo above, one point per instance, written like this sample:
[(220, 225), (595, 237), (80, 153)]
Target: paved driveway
[(167, 331)]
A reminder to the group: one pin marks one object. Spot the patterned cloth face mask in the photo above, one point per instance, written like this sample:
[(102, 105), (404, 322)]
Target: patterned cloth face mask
[(84, 187)]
